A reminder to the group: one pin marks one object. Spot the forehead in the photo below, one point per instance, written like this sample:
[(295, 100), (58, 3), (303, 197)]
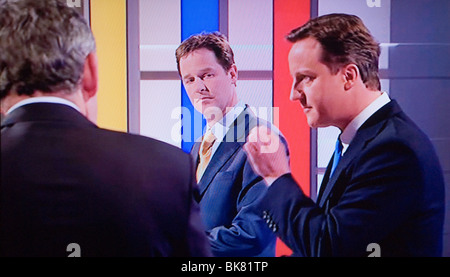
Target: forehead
[(199, 56), (305, 53)]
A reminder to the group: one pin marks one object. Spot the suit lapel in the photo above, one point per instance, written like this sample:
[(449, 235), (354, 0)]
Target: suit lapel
[(232, 142), (368, 131), (194, 152), (325, 179), (353, 150)]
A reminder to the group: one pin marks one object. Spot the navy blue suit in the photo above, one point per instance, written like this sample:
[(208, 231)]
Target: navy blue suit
[(64, 180), (387, 189), (229, 192)]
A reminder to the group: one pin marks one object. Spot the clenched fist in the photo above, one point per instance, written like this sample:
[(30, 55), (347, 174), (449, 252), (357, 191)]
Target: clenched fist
[(267, 154)]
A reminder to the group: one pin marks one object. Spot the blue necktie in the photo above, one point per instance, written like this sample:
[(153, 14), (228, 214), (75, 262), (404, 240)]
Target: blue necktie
[(337, 155)]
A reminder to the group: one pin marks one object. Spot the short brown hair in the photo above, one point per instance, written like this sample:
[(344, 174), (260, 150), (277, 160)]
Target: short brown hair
[(344, 39), (215, 42)]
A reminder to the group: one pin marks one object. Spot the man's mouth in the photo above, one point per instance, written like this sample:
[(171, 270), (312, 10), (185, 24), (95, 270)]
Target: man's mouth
[(306, 109), (203, 99)]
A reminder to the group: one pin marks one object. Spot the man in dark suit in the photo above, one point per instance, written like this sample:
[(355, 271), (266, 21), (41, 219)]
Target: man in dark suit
[(383, 190), (229, 188), (67, 186)]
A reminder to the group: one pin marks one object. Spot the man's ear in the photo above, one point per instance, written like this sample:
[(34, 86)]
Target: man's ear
[(350, 74), (89, 83), (234, 74)]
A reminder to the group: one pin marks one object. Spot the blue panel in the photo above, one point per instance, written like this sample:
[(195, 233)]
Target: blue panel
[(196, 16)]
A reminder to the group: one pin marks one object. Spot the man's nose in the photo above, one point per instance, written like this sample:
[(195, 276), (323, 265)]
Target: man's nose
[(200, 85), (295, 93)]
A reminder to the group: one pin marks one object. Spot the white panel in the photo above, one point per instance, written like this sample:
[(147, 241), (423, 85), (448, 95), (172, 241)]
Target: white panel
[(385, 85), (326, 141), (383, 62), (258, 95), (253, 57), (376, 16), (160, 21), (160, 33), (319, 181), (158, 57), (160, 110), (250, 32)]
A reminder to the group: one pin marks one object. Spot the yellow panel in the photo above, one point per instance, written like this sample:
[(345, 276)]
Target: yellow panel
[(108, 23)]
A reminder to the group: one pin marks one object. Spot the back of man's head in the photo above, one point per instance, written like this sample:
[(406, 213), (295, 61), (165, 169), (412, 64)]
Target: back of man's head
[(44, 45)]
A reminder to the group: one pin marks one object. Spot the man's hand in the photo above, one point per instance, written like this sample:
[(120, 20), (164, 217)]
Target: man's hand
[(267, 154)]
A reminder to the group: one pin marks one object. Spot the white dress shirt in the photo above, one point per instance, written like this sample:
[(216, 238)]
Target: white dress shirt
[(221, 127), (350, 131), (43, 99)]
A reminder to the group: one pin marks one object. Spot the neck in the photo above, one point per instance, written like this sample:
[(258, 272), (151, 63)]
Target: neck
[(12, 99), (362, 100), (215, 117)]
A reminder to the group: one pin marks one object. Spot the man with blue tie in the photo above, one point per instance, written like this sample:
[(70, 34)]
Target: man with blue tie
[(229, 188), (383, 188)]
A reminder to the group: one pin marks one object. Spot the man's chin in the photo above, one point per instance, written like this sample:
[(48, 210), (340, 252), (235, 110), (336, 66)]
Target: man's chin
[(313, 123)]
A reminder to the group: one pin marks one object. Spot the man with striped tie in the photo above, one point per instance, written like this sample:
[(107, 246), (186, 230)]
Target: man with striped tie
[(229, 188)]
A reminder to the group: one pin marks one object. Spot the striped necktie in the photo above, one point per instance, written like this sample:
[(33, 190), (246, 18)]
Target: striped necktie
[(205, 153)]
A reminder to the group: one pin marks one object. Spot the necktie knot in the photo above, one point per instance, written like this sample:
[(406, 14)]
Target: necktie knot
[(207, 143)]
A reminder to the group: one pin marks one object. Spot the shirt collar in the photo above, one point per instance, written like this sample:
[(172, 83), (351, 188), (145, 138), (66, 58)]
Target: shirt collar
[(221, 127), (43, 99), (350, 131)]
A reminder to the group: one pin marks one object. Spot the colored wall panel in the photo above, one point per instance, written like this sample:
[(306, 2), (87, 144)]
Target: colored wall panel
[(196, 16), (108, 23), (289, 14), (293, 124)]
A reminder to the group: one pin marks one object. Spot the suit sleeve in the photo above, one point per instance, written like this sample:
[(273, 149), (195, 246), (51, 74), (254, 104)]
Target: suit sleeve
[(248, 234), (379, 190)]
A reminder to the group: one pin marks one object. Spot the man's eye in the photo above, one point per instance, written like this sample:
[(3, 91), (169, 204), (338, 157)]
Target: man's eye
[(208, 75), (307, 79)]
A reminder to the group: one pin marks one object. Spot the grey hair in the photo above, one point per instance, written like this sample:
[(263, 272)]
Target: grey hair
[(44, 45)]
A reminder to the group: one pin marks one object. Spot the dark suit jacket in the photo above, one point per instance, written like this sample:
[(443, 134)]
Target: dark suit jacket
[(387, 189), (64, 180), (229, 191)]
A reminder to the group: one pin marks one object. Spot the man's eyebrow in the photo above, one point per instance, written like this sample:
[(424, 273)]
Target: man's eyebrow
[(200, 72), (206, 69), (186, 76), (304, 72)]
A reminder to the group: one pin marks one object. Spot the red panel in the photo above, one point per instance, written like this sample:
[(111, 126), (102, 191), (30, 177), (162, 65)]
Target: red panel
[(289, 14)]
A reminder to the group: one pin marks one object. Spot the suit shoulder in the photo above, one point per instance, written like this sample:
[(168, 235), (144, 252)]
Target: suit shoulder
[(401, 139), (260, 122), (402, 130), (143, 146)]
